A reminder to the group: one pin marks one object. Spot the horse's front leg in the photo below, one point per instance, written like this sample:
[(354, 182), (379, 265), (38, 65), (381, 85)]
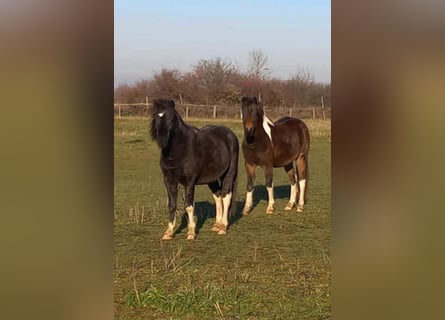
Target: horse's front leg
[(269, 185), (250, 170), (172, 190), (189, 208)]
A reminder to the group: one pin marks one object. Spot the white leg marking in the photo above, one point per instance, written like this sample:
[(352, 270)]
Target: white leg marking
[(168, 234), (270, 207), (191, 225), (218, 211), (293, 197), (225, 217), (293, 193), (248, 204), (218, 208), (302, 185)]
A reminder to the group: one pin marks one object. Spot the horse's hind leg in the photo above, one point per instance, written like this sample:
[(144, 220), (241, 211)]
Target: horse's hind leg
[(269, 186), (226, 194), (189, 208), (293, 186), (216, 190), (302, 179)]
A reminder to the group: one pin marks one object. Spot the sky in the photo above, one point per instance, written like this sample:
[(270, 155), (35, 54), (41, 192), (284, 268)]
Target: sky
[(151, 35)]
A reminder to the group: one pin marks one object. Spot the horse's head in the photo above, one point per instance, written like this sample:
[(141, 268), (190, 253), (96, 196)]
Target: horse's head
[(164, 120), (253, 113)]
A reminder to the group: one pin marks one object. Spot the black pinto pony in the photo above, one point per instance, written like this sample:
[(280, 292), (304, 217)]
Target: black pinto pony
[(270, 145), (192, 156)]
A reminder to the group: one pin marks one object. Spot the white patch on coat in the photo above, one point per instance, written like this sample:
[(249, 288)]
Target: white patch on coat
[(267, 123), (161, 114)]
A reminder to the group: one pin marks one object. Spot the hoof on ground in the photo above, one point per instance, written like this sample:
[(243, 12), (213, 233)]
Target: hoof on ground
[(222, 231), (299, 208), (216, 227), (289, 206), (167, 236), (270, 210), (246, 211), (191, 236)]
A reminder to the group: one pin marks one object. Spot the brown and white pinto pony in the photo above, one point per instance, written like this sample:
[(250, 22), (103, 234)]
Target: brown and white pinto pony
[(271, 145)]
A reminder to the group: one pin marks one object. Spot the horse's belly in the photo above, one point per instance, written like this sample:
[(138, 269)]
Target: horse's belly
[(280, 160), (207, 176)]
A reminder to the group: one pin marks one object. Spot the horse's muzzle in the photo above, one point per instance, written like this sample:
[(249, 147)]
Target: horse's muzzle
[(249, 135)]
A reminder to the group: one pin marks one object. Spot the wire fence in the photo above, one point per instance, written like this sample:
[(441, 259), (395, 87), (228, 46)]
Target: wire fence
[(223, 111)]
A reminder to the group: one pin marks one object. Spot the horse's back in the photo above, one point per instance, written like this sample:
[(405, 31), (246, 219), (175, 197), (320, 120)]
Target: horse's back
[(217, 134), (292, 132), (218, 147)]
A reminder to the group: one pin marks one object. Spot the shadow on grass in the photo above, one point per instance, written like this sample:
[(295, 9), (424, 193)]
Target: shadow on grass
[(205, 210), (260, 193)]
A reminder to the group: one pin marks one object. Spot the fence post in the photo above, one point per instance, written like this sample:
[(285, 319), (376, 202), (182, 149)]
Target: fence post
[(214, 112), (186, 112), (240, 113), (119, 106), (322, 108), (146, 104), (313, 113)]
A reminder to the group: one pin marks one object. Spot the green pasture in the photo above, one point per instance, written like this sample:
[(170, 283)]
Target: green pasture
[(266, 267)]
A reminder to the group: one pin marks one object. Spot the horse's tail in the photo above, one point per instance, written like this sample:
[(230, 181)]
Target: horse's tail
[(306, 158), (234, 164)]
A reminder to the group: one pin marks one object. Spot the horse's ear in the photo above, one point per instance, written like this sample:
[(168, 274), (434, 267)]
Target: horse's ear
[(244, 101), (254, 99), (171, 104)]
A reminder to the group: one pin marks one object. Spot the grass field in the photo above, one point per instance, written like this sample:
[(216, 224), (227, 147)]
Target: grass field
[(266, 267)]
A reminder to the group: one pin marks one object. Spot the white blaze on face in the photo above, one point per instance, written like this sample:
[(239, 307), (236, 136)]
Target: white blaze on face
[(161, 114), (302, 184), (267, 123)]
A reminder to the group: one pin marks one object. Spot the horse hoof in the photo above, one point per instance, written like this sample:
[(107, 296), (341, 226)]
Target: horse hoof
[(289, 206), (270, 210), (222, 231), (216, 227), (299, 208), (191, 237), (167, 236), (246, 211)]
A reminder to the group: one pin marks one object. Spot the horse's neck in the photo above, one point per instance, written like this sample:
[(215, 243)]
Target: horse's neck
[(266, 129)]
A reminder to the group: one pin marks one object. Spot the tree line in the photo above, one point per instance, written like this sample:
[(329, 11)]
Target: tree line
[(219, 81)]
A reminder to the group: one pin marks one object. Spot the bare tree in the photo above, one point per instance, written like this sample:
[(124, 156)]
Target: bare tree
[(217, 79), (257, 64)]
